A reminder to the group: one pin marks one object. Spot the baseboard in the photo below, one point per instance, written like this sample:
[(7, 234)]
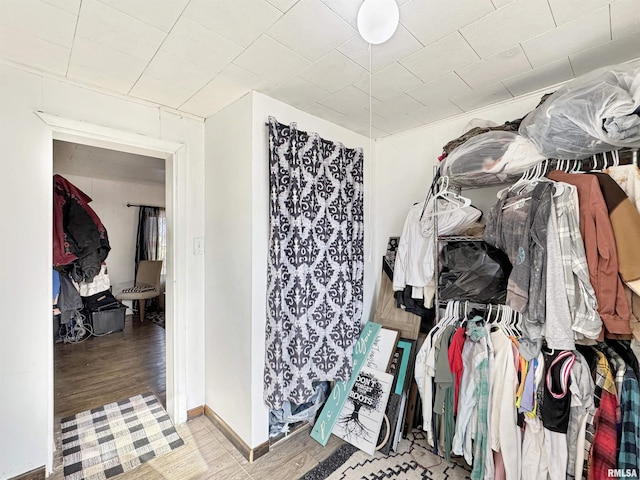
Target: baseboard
[(195, 412), (251, 454), (36, 474)]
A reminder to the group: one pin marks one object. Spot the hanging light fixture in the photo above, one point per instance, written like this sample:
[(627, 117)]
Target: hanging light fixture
[(378, 20)]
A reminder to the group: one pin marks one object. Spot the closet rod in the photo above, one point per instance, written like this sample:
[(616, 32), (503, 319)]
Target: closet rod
[(138, 205)]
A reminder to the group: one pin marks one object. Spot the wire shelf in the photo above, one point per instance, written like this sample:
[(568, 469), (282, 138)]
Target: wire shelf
[(459, 238)]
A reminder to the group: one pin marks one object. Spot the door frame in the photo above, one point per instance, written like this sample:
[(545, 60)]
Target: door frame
[(174, 154)]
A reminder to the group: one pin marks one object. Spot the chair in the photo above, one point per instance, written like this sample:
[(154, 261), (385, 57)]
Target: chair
[(147, 284)]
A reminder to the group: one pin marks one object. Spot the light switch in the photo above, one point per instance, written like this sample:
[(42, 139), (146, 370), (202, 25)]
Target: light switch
[(198, 246)]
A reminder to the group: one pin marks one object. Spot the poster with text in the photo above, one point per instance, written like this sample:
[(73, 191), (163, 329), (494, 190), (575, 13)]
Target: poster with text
[(361, 417)]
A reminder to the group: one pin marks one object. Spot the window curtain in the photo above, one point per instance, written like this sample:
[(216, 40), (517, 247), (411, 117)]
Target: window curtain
[(151, 240), (316, 262)]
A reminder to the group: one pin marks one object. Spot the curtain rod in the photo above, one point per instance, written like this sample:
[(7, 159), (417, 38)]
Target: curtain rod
[(138, 205)]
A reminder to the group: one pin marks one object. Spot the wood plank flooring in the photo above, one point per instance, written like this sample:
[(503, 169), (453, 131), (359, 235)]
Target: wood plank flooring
[(106, 369), (122, 364)]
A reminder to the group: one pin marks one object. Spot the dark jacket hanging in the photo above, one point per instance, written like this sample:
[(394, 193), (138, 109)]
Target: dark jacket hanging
[(80, 241)]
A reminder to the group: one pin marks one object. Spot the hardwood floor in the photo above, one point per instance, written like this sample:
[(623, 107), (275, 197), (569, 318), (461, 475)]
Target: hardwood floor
[(106, 369), (122, 364)]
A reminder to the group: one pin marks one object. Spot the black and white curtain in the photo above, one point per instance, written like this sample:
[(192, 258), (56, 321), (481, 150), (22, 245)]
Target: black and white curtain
[(316, 262)]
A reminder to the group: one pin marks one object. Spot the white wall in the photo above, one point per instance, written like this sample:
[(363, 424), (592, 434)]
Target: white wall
[(109, 201), (26, 356), (228, 265), (237, 231), (404, 166)]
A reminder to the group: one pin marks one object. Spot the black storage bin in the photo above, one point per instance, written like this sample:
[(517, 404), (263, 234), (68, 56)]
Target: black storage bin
[(106, 321)]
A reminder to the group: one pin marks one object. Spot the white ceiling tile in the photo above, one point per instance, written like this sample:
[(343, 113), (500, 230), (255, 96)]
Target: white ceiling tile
[(323, 72), (241, 22), (161, 14), (447, 86), (539, 78), (282, 5), (430, 20), (177, 71), (508, 26), (493, 69), (397, 124), (567, 10), (347, 101), (232, 83), (39, 19), (501, 3), (71, 6), (399, 46), (569, 38), (200, 46), (271, 59), (617, 51), (482, 97), (625, 18), (441, 57), (435, 111), (105, 67), (347, 9), (327, 113), (396, 106), (311, 29), (109, 27), (359, 120), (390, 81), (160, 91), (17, 46), (375, 132), (298, 93)]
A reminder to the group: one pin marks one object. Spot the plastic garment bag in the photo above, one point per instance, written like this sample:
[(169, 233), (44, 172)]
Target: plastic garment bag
[(491, 158), (473, 271), (597, 112)]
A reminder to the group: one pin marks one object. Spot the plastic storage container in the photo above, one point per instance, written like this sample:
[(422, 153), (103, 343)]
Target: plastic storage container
[(107, 321)]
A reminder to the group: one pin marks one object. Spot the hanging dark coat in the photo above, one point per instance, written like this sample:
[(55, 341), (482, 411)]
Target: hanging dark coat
[(80, 241)]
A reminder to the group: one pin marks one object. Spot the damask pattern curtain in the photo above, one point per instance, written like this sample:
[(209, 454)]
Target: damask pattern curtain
[(316, 262)]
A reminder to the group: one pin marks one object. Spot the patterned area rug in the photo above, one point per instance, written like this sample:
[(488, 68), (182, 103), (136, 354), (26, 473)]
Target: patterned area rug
[(155, 317), (412, 461), (107, 441)]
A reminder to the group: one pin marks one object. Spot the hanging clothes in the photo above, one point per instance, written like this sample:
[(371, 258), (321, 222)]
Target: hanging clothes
[(80, 240), (583, 304), (600, 248), (415, 258), (625, 222), (517, 224)]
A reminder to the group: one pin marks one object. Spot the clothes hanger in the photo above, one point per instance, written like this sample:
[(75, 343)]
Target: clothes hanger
[(444, 193)]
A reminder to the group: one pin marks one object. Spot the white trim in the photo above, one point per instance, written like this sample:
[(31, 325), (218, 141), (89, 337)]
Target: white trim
[(176, 187)]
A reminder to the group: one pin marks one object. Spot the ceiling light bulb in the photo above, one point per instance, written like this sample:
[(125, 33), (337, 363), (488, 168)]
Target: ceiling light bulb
[(378, 20)]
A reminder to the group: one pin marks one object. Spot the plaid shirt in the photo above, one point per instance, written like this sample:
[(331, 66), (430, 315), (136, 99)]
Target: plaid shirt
[(580, 293), (601, 442), (629, 456), (617, 365)]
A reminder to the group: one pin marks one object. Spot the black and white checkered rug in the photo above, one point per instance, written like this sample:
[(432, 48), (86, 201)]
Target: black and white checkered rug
[(106, 441)]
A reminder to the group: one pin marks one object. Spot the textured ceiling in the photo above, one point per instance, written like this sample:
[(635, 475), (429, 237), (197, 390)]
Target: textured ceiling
[(447, 56), (94, 162)]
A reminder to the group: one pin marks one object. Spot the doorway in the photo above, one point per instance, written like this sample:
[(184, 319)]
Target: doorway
[(174, 154), (119, 355)]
